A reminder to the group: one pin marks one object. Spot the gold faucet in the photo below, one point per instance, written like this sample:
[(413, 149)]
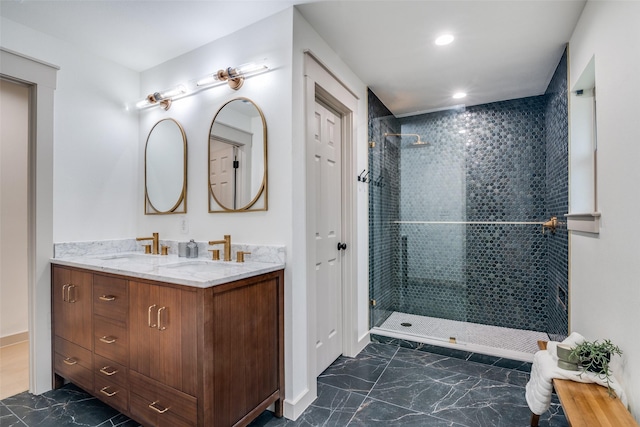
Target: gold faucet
[(156, 243), (227, 246), (241, 255)]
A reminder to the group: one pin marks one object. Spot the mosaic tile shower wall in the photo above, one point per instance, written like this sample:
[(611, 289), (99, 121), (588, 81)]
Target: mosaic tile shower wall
[(488, 165), (384, 208), (498, 175), (557, 199)]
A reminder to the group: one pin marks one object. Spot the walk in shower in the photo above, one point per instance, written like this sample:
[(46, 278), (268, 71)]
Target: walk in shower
[(458, 253)]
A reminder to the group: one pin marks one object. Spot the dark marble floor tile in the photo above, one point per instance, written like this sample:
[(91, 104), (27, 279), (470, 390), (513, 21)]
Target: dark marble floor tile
[(487, 404), (418, 357), (357, 374), (119, 421), (376, 413), (67, 406), (480, 370), (421, 388), (8, 419), (333, 408), (382, 350)]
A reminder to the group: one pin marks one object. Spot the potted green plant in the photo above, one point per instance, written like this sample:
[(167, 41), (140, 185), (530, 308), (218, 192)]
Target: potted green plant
[(594, 356)]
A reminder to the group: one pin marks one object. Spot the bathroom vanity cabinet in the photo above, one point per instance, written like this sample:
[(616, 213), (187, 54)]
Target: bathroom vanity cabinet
[(167, 354)]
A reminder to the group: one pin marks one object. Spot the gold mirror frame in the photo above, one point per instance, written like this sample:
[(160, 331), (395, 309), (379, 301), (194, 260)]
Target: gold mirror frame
[(180, 206), (259, 200)]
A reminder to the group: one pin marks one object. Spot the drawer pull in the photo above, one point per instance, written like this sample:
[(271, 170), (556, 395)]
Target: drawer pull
[(69, 361), (107, 298), (104, 391), (149, 316), (69, 297), (108, 373), (160, 326), (160, 411), (108, 339)]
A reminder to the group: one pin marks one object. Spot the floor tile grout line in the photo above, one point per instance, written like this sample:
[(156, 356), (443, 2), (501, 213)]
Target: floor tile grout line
[(14, 414), (374, 384)]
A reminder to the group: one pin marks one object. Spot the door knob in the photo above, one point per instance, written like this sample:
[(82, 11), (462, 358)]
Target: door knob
[(342, 246)]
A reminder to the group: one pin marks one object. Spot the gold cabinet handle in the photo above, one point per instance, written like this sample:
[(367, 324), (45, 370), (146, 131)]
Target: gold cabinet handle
[(104, 391), (160, 326), (107, 298), (149, 316), (108, 373), (160, 411), (64, 290), (70, 361), (69, 299), (108, 339)]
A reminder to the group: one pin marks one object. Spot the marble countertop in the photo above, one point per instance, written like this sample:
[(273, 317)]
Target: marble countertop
[(197, 272)]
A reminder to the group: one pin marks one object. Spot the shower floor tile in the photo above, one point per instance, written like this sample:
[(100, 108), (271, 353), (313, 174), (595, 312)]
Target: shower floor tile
[(473, 337)]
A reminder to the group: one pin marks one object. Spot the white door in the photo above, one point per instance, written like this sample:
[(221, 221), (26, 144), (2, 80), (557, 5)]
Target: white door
[(327, 149), (222, 174)]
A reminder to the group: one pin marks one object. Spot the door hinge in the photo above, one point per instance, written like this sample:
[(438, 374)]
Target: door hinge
[(236, 164), (373, 302)]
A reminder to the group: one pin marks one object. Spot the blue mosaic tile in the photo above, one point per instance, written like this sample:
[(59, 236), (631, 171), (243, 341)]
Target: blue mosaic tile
[(501, 162)]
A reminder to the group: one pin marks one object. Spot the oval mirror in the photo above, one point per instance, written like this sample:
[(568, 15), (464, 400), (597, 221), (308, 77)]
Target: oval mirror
[(165, 169), (238, 158)]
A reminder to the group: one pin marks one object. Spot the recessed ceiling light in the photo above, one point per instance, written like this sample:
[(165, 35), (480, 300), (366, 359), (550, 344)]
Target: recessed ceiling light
[(444, 39), (459, 95)]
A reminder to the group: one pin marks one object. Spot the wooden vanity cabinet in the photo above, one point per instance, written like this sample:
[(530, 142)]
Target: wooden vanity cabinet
[(171, 355), (72, 325), (164, 354)]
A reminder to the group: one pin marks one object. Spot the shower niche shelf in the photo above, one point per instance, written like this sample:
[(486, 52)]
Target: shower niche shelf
[(585, 222)]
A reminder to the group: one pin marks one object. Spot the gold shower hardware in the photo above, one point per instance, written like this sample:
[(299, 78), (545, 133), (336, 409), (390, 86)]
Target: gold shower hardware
[(418, 142), (552, 224)]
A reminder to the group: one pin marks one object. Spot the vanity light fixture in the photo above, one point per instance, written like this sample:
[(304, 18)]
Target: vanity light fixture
[(163, 98), (234, 76)]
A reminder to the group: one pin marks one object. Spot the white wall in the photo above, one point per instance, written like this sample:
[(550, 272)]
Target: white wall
[(283, 107), (306, 38), (96, 145), (271, 91), (14, 141), (605, 272)]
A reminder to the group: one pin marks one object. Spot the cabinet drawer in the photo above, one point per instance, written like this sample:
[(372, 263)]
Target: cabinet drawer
[(111, 340), (111, 298), (69, 350), (73, 363), (177, 408), (111, 371), (114, 395)]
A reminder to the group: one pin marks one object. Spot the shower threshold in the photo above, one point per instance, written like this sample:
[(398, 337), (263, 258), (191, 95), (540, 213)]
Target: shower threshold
[(497, 341)]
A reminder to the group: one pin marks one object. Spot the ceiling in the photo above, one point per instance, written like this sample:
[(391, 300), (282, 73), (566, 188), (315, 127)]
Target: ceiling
[(502, 49)]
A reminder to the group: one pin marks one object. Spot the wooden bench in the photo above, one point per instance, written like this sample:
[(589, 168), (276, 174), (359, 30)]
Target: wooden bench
[(588, 404)]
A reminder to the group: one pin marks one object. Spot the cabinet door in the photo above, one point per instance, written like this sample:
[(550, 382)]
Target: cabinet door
[(72, 300), (163, 343)]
